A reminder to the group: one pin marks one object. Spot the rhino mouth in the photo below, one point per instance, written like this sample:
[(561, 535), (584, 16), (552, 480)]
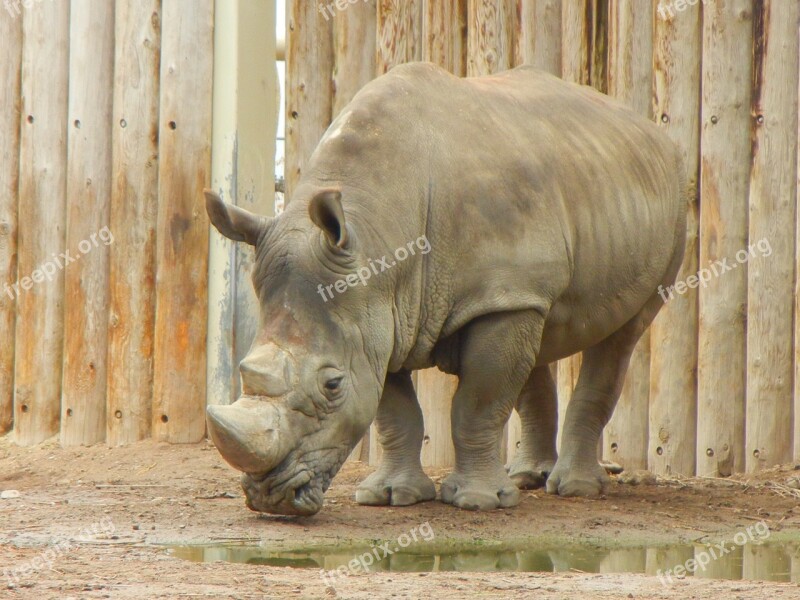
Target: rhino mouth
[(294, 488)]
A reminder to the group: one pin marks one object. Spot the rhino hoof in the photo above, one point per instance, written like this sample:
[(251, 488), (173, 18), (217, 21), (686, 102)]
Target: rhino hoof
[(574, 483), (381, 490), (479, 495), (530, 475)]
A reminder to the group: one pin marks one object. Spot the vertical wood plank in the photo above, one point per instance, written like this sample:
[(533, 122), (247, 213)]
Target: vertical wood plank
[(10, 66), (134, 209), (796, 399), (630, 80), (490, 35), (309, 87), (576, 40), (83, 401), (398, 38), (444, 42), (221, 369), (42, 205), (537, 43), (724, 175), (354, 33), (630, 55), (244, 128), (673, 338), (770, 267), (575, 54), (182, 246), (583, 53), (490, 49), (567, 371), (435, 391), (538, 34), (444, 34), (399, 31), (258, 106)]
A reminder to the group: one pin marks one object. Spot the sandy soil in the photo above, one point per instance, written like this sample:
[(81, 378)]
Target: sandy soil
[(158, 494)]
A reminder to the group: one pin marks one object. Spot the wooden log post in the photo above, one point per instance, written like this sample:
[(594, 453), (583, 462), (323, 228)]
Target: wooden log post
[(259, 100), (770, 256), (491, 26), (42, 205), (399, 32), (575, 54), (673, 337), (354, 35), (576, 40), (444, 42), (309, 88), (490, 35), (630, 80), (796, 425), (538, 43), (182, 246), (244, 129), (538, 34), (582, 42), (10, 68), (444, 34), (398, 38), (134, 209), (724, 186), (91, 75)]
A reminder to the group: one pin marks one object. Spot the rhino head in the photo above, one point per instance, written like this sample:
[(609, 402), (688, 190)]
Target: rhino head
[(315, 372)]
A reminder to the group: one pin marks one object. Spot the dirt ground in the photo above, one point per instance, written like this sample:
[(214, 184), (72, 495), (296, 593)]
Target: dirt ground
[(155, 494)]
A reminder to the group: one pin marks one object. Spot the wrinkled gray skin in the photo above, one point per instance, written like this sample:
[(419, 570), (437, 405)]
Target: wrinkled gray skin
[(553, 215)]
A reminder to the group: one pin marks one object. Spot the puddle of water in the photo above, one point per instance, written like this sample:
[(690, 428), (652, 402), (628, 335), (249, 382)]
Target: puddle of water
[(765, 561)]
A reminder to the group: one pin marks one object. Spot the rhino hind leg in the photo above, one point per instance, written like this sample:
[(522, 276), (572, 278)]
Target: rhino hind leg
[(537, 406), (577, 471), (400, 480), (495, 360)]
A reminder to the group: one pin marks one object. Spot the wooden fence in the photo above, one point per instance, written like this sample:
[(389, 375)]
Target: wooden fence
[(711, 387), (108, 121), (104, 241)]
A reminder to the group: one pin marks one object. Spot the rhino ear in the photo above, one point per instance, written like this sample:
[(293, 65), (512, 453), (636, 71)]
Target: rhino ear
[(233, 222), (327, 213)]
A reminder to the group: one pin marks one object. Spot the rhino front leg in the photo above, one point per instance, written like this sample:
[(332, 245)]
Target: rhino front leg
[(496, 357), (400, 480), (537, 406)]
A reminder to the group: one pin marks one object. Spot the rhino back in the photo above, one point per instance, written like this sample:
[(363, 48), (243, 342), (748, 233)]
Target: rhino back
[(533, 193)]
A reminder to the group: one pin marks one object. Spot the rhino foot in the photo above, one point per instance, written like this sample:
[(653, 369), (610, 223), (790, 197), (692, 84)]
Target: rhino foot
[(395, 489), (477, 493), (587, 482), (529, 474)]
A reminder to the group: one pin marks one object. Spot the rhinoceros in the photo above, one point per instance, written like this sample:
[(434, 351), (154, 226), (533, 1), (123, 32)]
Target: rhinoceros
[(550, 213)]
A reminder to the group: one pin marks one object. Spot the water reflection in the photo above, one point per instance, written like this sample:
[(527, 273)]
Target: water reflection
[(768, 561)]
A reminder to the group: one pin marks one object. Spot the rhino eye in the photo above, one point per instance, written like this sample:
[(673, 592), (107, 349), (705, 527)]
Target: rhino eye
[(331, 383), (334, 385)]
